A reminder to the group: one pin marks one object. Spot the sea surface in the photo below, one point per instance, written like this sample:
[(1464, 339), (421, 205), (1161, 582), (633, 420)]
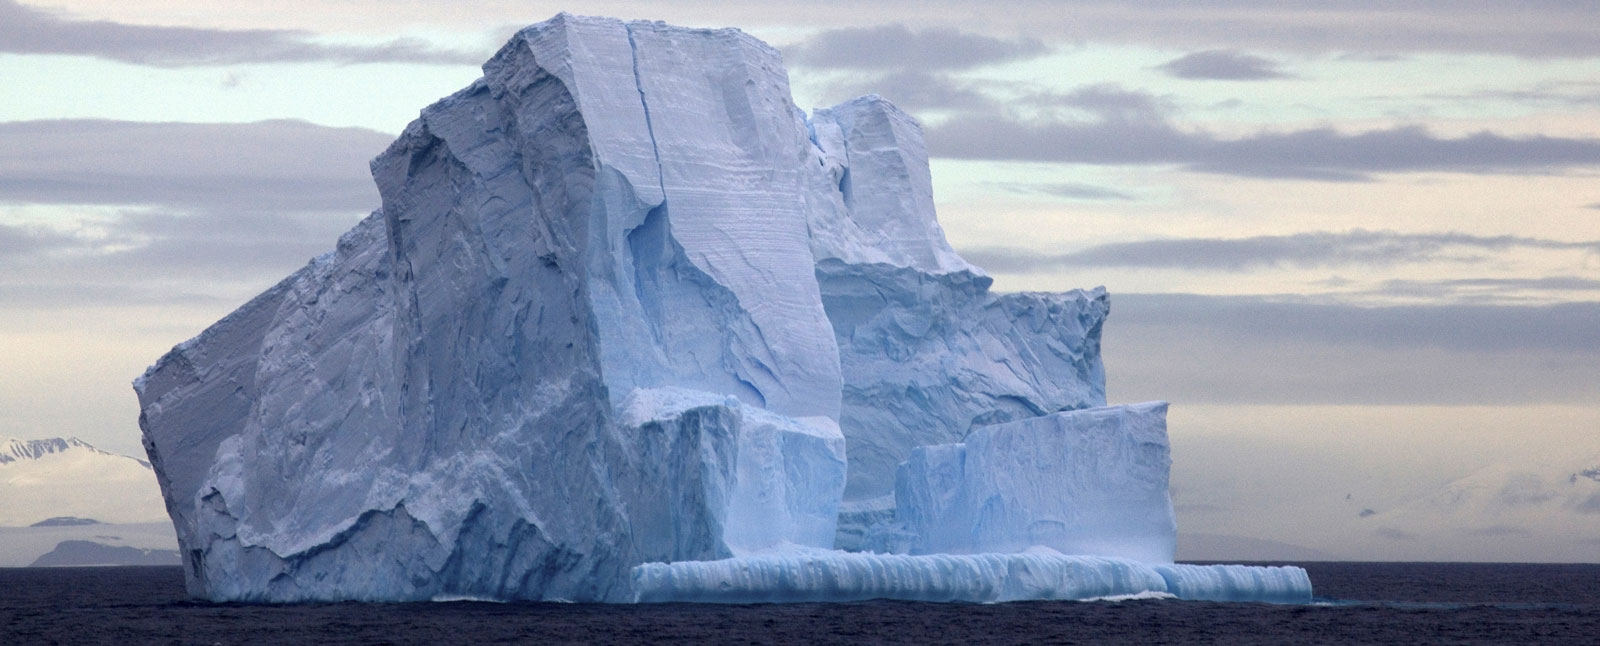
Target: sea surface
[(1356, 603)]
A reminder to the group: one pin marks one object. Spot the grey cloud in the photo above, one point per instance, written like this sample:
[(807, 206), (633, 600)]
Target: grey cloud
[(18, 242), (148, 258), (1068, 190), (1318, 154), (199, 209), (1223, 65), (1524, 490), (1313, 249), (1393, 534), (268, 165), (27, 30), (1595, 206), (69, 295), (896, 47), (1110, 102), (1189, 348), (1561, 94), (1554, 28), (915, 90), (1498, 530), (1365, 28), (1462, 288), (163, 247), (1557, 328)]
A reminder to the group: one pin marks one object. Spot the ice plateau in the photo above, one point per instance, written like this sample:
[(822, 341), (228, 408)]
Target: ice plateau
[(623, 314)]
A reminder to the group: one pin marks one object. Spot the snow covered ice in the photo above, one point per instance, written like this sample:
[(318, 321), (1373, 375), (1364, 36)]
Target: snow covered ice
[(629, 325)]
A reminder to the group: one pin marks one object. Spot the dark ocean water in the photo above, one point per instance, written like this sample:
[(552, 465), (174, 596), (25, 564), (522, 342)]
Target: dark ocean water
[(1357, 603)]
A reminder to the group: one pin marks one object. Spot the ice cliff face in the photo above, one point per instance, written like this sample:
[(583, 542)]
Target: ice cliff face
[(444, 389), (1081, 482), (928, 353), (623, 304)]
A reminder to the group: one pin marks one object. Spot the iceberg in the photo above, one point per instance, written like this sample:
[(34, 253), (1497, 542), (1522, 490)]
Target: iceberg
[(628, 324)]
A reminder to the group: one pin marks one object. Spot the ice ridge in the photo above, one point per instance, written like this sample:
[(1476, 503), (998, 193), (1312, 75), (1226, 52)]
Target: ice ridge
[(799, 576)]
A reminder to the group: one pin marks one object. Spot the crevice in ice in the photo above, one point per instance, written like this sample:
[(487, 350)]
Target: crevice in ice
[(649, 127)]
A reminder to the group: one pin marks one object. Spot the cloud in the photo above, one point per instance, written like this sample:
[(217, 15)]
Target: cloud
[(1067, 190), (18, 242), (896, 47), (1481, 287), (916, 90), (26, 30), (135, 250), (1524, 490), (140, 211), (1190, 348), (1393, 534), (1539, 28), (1223, 65), (1317, 154), (267, 165), (1314, 249), (1595, 206), (1498, 530), (1110, 102), (1561, 94), (1466, 328)]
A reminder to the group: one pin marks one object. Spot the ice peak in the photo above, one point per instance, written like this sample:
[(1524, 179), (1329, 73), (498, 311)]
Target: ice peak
[(868, 142)]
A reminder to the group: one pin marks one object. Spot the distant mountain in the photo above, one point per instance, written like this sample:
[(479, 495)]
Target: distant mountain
[(14, 450), (1222, 547), (79, 553), (66, 477), (1501, 512), (66, 521)]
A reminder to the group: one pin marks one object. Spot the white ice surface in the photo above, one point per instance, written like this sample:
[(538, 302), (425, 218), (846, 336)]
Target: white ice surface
[(796, 575)]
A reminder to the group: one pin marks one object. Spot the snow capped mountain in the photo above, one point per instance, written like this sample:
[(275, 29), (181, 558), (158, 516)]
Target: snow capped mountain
[(12, 450), (56, 477), (1500, 510)]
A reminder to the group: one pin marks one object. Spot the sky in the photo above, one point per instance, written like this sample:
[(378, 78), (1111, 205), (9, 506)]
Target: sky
[(1355, 244)]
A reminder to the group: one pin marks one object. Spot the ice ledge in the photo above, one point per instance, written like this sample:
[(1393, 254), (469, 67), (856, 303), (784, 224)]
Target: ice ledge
[(798, 575)]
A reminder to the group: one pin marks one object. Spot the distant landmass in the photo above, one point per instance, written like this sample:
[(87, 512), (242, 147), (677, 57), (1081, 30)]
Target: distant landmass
[(65, 521), (80, 553), (1223, 547), (58, 482)]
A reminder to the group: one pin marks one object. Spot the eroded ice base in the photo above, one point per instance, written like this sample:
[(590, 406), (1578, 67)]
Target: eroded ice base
[(800, 575)]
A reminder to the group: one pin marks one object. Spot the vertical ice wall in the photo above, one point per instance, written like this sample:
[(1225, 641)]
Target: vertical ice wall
[(928, 353), (1090, 482)]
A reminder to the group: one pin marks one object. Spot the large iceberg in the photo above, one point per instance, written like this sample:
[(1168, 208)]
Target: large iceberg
[(620, 318)]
